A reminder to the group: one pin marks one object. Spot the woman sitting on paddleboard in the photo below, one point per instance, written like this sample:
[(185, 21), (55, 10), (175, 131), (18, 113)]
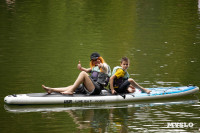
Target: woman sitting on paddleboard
[(91, 85)]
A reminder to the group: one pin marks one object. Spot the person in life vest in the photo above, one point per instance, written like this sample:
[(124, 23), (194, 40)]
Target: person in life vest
[(120, 81), (91, 85)]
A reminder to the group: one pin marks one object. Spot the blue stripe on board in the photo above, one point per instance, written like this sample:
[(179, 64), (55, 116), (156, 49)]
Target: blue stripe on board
[(167, 90)]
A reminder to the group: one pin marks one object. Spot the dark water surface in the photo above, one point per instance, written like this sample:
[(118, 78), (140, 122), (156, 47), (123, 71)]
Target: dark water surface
[(41, 42)]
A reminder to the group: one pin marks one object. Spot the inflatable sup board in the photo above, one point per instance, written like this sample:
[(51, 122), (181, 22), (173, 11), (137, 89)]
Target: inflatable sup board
[(64, 107), (105, 97)]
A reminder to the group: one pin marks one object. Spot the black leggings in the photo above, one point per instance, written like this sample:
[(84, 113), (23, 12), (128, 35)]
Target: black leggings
[(123, 87)]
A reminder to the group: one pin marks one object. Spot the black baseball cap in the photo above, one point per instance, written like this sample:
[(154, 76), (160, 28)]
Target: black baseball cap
[(94, 56)]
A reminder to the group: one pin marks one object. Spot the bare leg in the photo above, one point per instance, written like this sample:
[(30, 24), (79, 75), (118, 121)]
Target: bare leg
[(49, 90), (131, 89), (82, 78), (134, 84)]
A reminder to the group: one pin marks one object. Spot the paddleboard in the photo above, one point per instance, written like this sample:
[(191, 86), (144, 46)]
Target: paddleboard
[(104, 97), (121, 105)]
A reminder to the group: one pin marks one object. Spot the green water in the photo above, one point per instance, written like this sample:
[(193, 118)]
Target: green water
[(41, 42)]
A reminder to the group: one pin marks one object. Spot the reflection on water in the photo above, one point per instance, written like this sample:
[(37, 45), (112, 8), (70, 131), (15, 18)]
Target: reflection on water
[(10, 4), (122, 117), (198, 4)]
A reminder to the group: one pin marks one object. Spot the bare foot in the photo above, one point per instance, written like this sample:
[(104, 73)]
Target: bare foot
[(131, 89), (47, 89), (68, 92), (147, 91)]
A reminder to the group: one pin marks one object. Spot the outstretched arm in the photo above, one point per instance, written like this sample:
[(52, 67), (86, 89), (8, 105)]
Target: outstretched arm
[(82, 68)]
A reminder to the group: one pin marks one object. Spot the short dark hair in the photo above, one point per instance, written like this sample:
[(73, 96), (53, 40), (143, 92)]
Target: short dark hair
[(124, 59)]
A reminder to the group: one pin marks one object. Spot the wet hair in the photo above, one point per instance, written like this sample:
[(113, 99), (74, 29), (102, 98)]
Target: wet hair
[(124, 59)]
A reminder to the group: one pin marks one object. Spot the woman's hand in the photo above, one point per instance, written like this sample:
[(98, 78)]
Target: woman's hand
[(79, 66), (100, 65), (82, 68)]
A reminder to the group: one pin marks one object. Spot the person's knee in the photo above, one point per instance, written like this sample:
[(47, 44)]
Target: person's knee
[(130, 80), (83, 73)]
